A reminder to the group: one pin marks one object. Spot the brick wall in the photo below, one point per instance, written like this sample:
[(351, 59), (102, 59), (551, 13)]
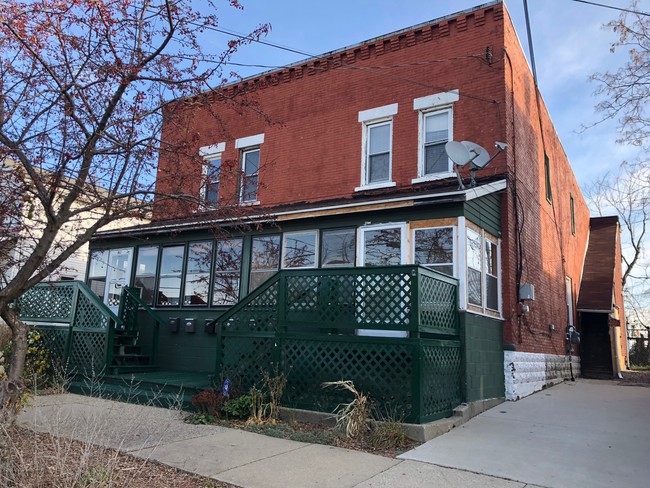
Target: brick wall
[(312, 145)]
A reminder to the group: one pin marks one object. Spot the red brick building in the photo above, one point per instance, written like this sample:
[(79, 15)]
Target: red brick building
[(340, 160)]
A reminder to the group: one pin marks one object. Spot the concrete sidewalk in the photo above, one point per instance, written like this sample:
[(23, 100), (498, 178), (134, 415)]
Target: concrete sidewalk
[(591, 433), (234, 456)]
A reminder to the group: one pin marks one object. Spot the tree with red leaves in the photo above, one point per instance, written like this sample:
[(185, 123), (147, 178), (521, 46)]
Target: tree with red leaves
[(82, 87)]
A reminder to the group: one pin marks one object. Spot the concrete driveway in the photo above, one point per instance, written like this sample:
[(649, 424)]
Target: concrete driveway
[(587, 433)]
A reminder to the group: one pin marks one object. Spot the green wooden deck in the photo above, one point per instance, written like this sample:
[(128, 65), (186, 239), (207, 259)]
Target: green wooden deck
[(178, 379)]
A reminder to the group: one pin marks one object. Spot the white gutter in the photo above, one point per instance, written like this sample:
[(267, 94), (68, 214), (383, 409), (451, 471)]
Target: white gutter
[(468, 193)]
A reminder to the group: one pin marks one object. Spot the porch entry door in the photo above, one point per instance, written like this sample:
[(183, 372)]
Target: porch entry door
[(381, 245), (117, 276)]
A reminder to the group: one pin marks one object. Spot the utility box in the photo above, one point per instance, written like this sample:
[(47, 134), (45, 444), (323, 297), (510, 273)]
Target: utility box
[(527, 292), (190, 326), (172, 324), (209, 327)]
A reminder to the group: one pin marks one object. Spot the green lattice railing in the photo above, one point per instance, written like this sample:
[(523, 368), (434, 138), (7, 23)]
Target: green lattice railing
[(74, 322), (309, 323)]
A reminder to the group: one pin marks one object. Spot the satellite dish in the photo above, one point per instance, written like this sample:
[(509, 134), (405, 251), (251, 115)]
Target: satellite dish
[(458, 153), (479, 155)]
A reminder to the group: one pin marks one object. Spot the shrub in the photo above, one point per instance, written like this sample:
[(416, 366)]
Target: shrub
[(240, 407), (208, 402)]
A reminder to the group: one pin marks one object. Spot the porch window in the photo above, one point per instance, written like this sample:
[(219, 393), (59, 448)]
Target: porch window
[(197, 275), (382, 246), (97, 272), (491, 275), (145, 272), (171, 273), (434, 248), (265, 259), (299, 250), (227, 272), (482, 270), (337, 247), (474, 268)]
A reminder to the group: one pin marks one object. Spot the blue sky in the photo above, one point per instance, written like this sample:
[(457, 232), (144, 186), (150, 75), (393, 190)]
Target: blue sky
[(570, 44)]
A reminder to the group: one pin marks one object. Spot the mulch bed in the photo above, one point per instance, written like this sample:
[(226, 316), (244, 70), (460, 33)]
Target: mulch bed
[(37, 460)]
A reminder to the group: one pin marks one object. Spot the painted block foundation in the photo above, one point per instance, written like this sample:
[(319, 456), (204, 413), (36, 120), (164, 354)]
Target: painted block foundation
[(526, 372)]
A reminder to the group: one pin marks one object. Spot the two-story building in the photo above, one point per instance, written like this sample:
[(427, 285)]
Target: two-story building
[(336, 239)]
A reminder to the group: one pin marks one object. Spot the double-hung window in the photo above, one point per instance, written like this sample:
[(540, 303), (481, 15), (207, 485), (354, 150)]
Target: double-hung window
[(171, 276), (482, 271), (435, 130), (250, 167), (211, 172), (376, 164), (197, 274), (265, 259)]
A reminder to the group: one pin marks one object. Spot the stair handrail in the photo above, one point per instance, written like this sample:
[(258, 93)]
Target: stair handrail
[(134, 294), (219, 321)]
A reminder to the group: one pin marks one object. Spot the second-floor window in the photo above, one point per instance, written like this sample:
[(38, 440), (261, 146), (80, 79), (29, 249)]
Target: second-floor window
[(211, 172), (378, 153), (249, 148), (249, 179), (435, 134), (377, 147)]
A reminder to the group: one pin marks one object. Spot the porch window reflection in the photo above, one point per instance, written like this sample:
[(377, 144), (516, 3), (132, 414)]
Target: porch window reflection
[(265, 259), (383, 247), (171, 269), (197, 276), (337, 247), (491, 276), (227, 272), (474, 281), (300, 250), (145, 272), (434, 248)]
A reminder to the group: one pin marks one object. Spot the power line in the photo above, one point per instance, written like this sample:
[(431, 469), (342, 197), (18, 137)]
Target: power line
[(620, 9)]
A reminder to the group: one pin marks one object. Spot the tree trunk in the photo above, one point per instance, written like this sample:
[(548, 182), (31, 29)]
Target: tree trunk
[(11, 389)]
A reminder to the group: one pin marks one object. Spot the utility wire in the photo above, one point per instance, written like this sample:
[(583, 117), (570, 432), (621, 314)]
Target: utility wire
[(620, 9)]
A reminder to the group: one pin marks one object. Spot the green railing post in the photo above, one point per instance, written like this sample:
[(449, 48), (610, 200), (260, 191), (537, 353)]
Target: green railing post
[(415, 302), (418, 381), (73, 316)]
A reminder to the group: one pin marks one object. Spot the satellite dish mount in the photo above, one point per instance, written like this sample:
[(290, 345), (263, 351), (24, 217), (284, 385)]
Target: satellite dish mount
[(467, 152)]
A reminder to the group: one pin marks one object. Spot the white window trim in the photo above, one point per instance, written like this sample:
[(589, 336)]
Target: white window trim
[(403, 240), (462, 263), (436, 100), (209, 154), (426, 109), (316, 250), (374, 114), (454, 263), (364, 155), (246, 142)]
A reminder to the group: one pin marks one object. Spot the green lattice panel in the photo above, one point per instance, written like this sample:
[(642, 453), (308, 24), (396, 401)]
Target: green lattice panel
[(88, 352), (258, 315), (441, 370), (47, 302), (244, 359), (55, 339), (381, 370), (364, 298), (438, 309), (88, 315), (384, 299)]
